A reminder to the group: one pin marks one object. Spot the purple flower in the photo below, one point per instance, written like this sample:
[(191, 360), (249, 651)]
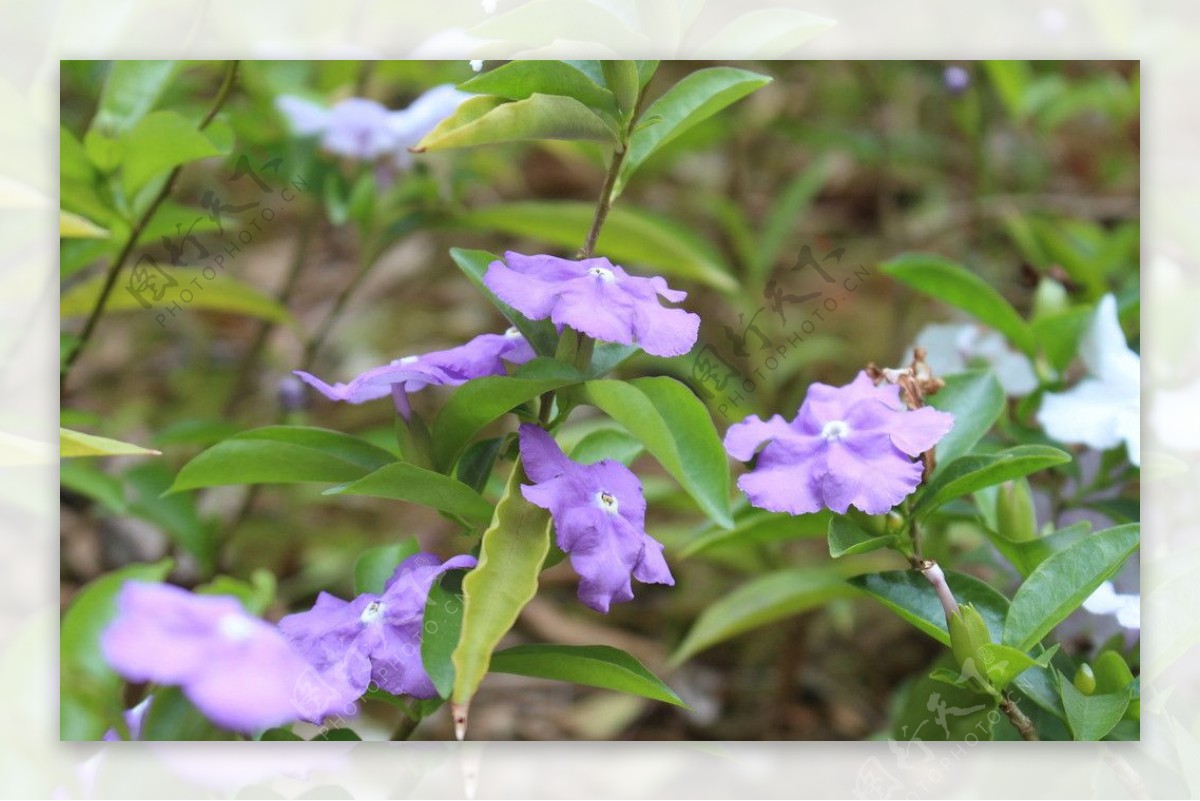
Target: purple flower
[(956, 79), (597, 298), (373, 639), (133, 721), (599, 519), (238, 670), (363, 129), (851, 445), (484, 355)]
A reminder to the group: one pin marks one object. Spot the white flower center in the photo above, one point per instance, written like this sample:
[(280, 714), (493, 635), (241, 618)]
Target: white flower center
[(235, 627), (835, 429), (407, 360), (608, 502), (373, 612), (603, 273), (512, 332)]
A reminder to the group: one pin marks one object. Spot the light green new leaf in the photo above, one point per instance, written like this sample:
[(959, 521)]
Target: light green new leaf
[(511, 554), (76, 443), (973, 472), (518, 80), (846, 538), (442, 629), (976, 400), (630, 237), (162, 140), (762, 600), (623, 80), (221, 294), (589, 665), (282, 455), (911, 596), (957, 286), (130, 91), (1060, 584), (693, 100), (486, 120), (73, 226), (375, 566), (1092, 716), (677, 430), (402, 481)]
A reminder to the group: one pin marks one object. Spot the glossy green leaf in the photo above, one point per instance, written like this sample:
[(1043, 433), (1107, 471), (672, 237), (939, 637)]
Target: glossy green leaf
[(1092, 716), (220, 293), (630, 237), (375, 566), (91, 701), (518, 80), (1060, 584), (72, 444), (282, 455), (846, 538), (130, 91), (976, 400), (589, 665), (694, 99), (255, 595), (957, 286), (676, 429), (760, 601), (541, 334), (442, 629), (511, 554), (173, 718), (337, 736), (755, 526), (966, 474), (1025, 556), (966, 712), (485, 120), (607, 443), (910, 595), (623, 80), (160, 141), (477, 403), (402, 481)]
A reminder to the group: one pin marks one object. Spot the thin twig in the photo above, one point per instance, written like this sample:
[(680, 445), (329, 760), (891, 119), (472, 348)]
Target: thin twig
[(135, 234), (1020, 722), (604, 204)]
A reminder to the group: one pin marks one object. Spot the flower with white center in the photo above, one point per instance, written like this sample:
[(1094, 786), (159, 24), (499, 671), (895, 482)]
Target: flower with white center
[(954, 347), (1104, 409)]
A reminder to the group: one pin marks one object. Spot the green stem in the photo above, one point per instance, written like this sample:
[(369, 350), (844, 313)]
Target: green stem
[(114, 269)]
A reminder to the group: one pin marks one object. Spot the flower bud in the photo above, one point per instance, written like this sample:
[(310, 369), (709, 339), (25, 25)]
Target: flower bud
[(968, 633), (1050, 298), (1085, 679), (1015, 514)]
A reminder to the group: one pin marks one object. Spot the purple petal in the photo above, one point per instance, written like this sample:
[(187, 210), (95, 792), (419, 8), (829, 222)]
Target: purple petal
[(652, 567), (918, 430), (744, 438), (304, 117), (785, 480), (423, 114), (540, 454), (359, 128), (869, 474), (665, 332)]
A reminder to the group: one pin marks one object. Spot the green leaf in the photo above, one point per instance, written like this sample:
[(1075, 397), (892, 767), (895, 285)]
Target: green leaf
[(279, 734), (337, 735), (477, 403), (172, 717), (846, 538), (973, 472), (910, 595), (402, 481), (518, 80), (762, 600), (1092, 716), (976, 400), (607, 443), (90, 701), (220, 293), (1059, 585), (282, 455), (676, 429), (589, 665), (957, 286), (511, 554), (174, 514), (966, 712), (130, 91), (1025, 556), (622, 79), (256, 595), (1059, 334), (160, 141), (87, 480), (375, 566), (74, 226), (629, 237), (486, 120), (72, 444), (442, 630), (541, 334), (693, 100), (755, 526)]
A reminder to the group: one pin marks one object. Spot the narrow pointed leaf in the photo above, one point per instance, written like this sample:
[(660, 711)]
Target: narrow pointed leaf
[(976, 400), (76, 443), (912, 597), (968, 474), (402, 481), (518, 80), (483, 121), (591, 665)]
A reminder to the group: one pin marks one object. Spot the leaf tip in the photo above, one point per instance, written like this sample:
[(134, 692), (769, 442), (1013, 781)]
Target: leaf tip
[(459, 713)]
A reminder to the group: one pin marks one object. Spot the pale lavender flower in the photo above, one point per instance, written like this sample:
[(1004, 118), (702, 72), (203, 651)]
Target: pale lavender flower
[(848, 446), (485, 355), (373, 639), (133, 721), (597, 298), (423, 115), (956, 79), (599, 518), (237, 669)]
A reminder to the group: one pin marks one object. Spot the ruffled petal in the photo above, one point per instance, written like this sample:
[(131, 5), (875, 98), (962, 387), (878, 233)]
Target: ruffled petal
[(540, 454), (868, 473), (651, 567), (918, 430), (785, 480), (744, 438), (1087, 414)]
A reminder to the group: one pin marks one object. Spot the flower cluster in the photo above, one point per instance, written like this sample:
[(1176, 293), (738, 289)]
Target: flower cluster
[(599, 518), (247, 675), (363, 129), (848, 446)]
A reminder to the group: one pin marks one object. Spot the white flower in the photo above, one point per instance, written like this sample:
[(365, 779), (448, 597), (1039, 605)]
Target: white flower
[(952, 348), (476, 64), (1104, 409), (1107, 601)]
